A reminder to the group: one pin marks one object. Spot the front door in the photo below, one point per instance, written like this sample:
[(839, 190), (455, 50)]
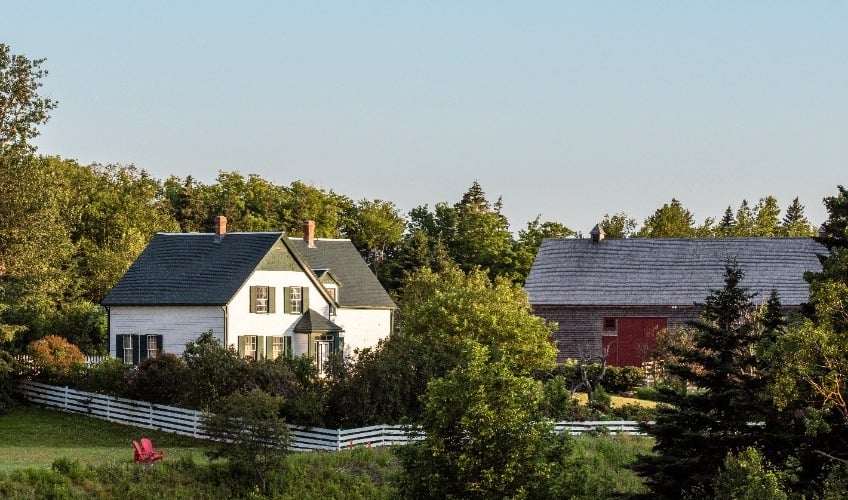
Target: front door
[(323, 349)]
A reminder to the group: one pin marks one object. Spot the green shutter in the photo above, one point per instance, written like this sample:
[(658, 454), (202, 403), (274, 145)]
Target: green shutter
[(287, 299), (260, 349), (339, 345), (272, 300), (288, 344), (241, 346), (119, 346), (253, 299), (159, 344), (304, 295), (269, 346), (136, 342)]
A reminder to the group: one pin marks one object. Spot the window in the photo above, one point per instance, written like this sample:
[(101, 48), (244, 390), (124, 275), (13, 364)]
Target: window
[(262, 299), (248, 346), (128, 349), (278, 347), (609, 324), (132, 349), (152, 346), (296, 300), (332, 292)]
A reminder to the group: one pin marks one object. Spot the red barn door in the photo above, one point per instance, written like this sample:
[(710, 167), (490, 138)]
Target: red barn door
[(634, 339)]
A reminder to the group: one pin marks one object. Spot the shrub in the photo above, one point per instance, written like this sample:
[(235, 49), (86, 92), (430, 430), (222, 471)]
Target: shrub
[(746, 476), (214, 371), (7, 380), (248, 432), (161, 379), (558, 401), (648, 393), (109, 376), (55, 358)]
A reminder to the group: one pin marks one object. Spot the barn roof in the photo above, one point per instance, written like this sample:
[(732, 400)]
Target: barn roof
[(672, 271)]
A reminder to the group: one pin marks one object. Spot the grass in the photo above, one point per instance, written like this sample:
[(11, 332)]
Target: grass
[(617, 401), (51, 454), (32, 437)]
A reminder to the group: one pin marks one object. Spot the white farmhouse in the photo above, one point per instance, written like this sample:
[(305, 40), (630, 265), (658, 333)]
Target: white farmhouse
[(263, 293)]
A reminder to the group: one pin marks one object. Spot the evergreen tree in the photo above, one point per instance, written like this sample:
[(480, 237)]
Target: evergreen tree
[(795, 223), (707, 414), (727, 225)]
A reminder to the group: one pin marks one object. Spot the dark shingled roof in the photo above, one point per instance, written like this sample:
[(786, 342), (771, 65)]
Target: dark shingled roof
[(313, 321), (359, 287), (196, 269), (637, 271)]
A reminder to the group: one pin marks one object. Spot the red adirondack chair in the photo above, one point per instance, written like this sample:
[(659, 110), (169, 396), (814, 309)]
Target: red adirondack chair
[(147, 447), (144, 453)]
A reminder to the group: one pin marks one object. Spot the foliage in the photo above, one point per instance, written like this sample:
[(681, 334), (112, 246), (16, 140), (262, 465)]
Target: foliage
[(160, 379), (695, 429), (296, 381), (619, 225), (55, 357), (22, 109), (248, 432), (7, 380), (448, 308), (485, 437), (558, 402), (374, 227), (616, 379), (214, 371), (670, 221), (109, 376), (747, 476)]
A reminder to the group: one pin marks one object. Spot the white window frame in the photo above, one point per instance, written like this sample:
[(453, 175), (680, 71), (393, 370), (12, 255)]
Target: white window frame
[(251, 346), (128, 348), (278, 347), (296, 299), (153, 351), (262, 298)]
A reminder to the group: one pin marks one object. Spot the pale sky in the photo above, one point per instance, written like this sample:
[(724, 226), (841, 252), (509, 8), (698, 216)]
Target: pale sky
[(567, 110)]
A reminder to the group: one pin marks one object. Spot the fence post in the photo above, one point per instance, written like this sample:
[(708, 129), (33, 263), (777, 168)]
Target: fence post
[(65, 399)]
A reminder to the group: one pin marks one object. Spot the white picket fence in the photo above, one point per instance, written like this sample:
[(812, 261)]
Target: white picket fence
[(188, 422)]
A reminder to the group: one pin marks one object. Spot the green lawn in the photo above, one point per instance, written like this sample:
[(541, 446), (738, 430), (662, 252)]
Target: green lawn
[(35, 437)]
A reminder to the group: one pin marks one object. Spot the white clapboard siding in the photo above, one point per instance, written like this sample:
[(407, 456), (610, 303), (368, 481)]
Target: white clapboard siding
[(188, 422)]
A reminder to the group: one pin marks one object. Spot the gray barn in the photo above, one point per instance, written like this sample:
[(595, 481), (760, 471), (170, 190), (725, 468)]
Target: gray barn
[(614, 294)]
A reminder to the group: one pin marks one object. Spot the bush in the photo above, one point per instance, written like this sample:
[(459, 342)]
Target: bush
[(110, 376), (7, 380), (161, 379), (558, 401), (56, 359), (746, 476), (647, 393), (248, 432), (214, 371), (617, 379)]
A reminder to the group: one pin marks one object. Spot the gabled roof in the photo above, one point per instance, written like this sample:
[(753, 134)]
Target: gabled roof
[(200, 269), (191, 269), (358, 285), (314, 322), (638, 271)]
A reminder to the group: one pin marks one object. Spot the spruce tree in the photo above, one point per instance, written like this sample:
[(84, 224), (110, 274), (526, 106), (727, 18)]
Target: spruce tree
[(706, 413)]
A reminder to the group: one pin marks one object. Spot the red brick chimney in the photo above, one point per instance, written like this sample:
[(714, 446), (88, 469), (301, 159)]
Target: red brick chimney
[(309, 233), (220, 226)]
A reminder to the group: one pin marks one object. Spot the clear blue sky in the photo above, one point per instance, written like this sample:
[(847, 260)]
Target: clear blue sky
[(568, 110)]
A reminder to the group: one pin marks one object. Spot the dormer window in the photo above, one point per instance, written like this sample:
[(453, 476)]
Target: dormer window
[(332, 293)]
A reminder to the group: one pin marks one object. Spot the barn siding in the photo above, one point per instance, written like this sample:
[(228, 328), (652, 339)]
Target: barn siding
[(580, 328)]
